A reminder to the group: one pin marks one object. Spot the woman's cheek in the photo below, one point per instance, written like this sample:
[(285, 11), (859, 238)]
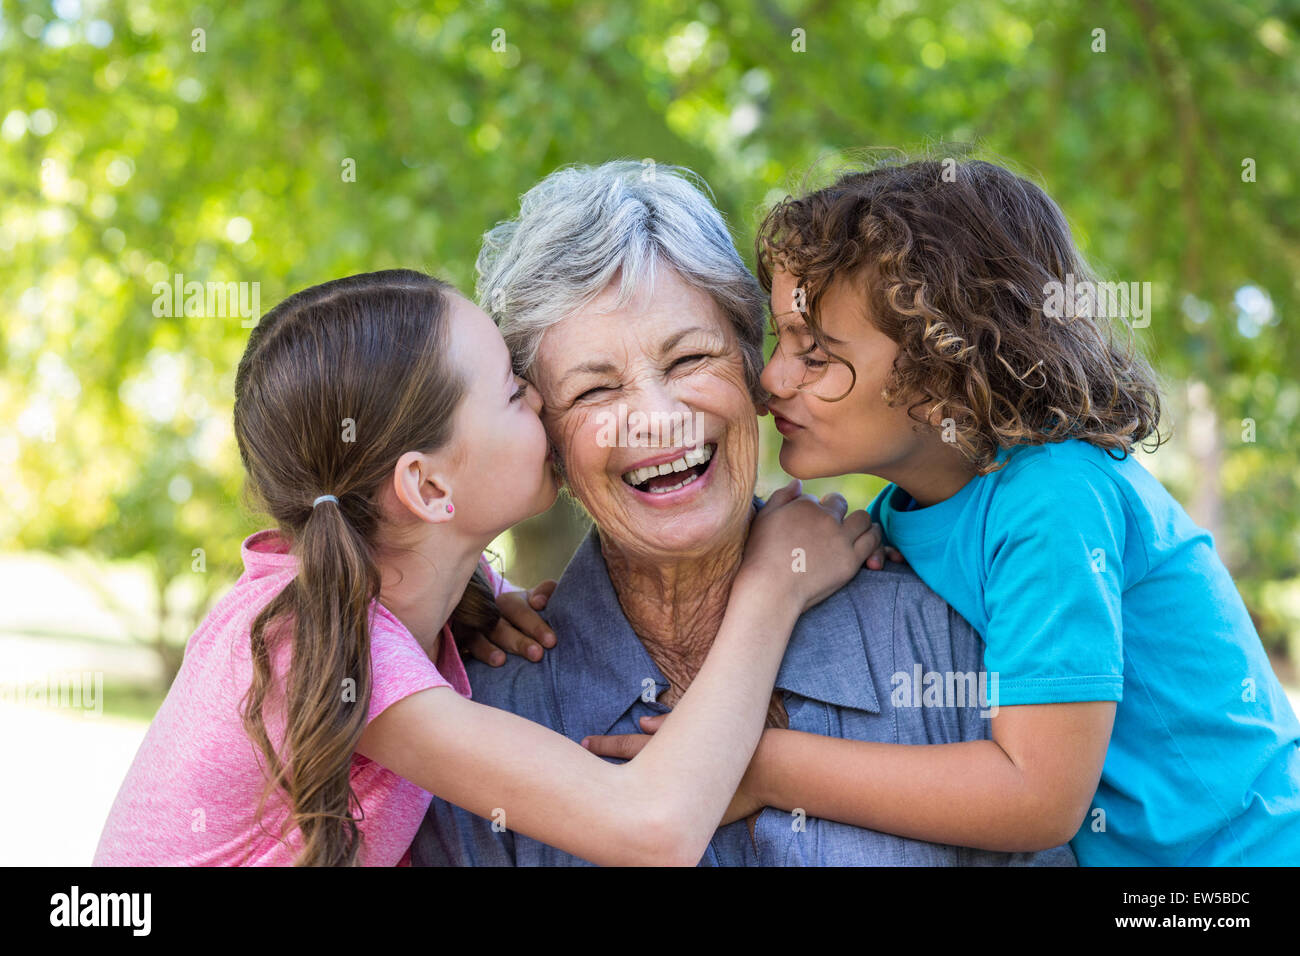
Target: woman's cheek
[(574, 436), (730, 371)]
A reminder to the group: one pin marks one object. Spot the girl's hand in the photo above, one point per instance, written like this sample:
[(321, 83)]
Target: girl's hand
[(806, 546), (627, 746), (521, 629)]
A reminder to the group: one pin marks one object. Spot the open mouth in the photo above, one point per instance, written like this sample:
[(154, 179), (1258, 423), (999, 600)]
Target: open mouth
[(672, 475)]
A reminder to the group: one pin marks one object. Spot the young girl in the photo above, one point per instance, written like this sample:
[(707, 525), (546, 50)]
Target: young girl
[(323, 699), (922, 339)]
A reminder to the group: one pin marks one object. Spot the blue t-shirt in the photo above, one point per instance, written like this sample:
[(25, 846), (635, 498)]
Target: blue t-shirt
[(1088, 581)]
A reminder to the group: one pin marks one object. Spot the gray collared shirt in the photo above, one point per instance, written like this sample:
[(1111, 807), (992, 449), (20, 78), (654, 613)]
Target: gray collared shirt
[(840, 677)]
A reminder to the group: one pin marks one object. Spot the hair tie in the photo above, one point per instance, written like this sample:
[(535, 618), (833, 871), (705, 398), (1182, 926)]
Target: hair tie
[(324, 498)]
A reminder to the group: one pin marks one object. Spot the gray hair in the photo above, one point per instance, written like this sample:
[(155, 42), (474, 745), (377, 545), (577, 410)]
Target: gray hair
[(582, 225)]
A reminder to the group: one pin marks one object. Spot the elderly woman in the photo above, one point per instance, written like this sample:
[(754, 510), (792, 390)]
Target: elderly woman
[(623, 299)]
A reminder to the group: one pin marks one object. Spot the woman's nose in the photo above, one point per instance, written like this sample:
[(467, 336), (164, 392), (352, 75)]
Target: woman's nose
[(653, 396), (667, 411)]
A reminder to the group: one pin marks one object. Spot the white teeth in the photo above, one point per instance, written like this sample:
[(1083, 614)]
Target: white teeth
[(681, 484), (695, 456)]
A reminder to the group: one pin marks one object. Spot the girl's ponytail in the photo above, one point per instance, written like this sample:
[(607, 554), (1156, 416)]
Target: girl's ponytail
[(328, 692), (336, 384)]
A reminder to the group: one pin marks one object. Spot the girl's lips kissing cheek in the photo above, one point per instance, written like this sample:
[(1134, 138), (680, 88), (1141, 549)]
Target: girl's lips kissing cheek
[(670, 480)]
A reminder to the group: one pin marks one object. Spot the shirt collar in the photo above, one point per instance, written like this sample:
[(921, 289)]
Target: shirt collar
[(266, 552), (605, 668)]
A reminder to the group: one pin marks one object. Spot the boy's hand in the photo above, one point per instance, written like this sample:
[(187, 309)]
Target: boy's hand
[(521, 629), (877, 559)]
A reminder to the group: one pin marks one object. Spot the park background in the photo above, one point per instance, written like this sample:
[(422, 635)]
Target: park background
[(285, 143)]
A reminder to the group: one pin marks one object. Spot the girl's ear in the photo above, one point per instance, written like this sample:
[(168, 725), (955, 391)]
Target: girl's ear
[(421, 488)]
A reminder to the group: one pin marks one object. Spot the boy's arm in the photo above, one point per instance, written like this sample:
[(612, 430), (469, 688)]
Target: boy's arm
[(1027, 793), (1028, 789), (1053, 595)]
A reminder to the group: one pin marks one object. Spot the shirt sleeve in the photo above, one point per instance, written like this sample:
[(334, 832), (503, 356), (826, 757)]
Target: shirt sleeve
[(1054, 554), (399, 667), (497, 581)]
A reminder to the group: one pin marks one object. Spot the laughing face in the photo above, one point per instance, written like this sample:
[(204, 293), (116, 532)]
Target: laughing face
[(655, 428)]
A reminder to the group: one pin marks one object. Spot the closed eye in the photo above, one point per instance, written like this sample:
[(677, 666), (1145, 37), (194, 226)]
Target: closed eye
[(523, 390), (810, 362), (689, 358)]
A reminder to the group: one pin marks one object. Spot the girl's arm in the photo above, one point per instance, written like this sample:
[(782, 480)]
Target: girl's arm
[(664, 806), (1027, 789), (661, 808)]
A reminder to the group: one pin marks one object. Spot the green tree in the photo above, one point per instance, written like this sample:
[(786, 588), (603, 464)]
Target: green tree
[(284, 144)]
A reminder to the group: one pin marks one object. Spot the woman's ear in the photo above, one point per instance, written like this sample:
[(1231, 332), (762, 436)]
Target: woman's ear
[(421, 489)]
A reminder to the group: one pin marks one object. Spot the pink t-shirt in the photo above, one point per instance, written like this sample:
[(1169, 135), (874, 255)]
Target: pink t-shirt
[(190, 795)]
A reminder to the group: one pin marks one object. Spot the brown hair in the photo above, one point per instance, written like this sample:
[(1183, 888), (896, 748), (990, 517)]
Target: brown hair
[(956, 258), (370, 349)]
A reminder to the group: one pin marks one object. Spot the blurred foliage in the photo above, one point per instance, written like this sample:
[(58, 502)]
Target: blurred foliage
[(143, 139)]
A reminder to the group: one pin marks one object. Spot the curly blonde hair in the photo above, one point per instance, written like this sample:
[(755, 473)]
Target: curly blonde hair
[(956, 258)]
